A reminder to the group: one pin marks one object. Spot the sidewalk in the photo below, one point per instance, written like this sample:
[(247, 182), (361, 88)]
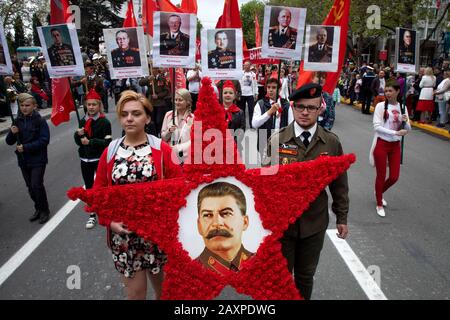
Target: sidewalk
[(443, 132), (4, 126)]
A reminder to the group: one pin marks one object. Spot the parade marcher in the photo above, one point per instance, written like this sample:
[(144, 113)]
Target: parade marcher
[(178, 135), (304, 140), (193, 77), (136, 157), (377, 88), (327, 113), (249, 91), (125, 55), (38, 93), (92, 138), (234, 116), (426, 99), (91, 81), (391, 122), (441, 95), (271, 114), (33, 134), (366, 91)]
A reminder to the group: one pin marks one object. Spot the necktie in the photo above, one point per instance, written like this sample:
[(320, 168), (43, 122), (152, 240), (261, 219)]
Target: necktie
[(306, 135)]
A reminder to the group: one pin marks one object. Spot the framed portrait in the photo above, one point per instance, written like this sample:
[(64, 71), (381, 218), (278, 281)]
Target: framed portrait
[(61, 50), (222, 54), (322, 48), (5, 59), (126, 51), (283, 36), (219, 224), (406, 51), (174, 37)]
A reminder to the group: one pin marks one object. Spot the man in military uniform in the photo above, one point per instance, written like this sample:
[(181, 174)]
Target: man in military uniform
[(320, 51), (91, 81), (124, 56), (406, 50), (221, 57), (304, 140), (60, 54), (221, 221), (174, 42), (282, 35)]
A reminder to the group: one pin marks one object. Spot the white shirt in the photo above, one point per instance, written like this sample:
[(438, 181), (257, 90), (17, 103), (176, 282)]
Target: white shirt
[(194, 85), (299, 130), (173, 35), (387, 130), (249, 86), (259, 119)]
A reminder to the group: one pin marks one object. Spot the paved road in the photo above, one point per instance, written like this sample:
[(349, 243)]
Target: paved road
[(410, 245)]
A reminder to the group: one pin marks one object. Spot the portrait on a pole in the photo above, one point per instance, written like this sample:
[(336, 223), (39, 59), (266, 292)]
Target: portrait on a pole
[(406, 50), (322, 48), (61, 50), (174, 39), (285, 26), (219, 226), (5, 59), (222, 54), (125, 48)]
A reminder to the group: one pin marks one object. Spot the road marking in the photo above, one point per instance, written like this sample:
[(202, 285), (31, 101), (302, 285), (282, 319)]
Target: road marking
[(366, 282), (20, 256)]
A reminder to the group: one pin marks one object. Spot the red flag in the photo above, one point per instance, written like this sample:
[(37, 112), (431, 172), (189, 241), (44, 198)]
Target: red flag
[(130, 19), (231, 18), (189, 6), (338, 16), (198, 54), (148, 8), (180, 79), (62, 101), (258, 42), (167, 6)]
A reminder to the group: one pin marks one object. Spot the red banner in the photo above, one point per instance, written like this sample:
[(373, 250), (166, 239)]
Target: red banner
[(130, 19), (180, 79), (382, 55), (258, 42)]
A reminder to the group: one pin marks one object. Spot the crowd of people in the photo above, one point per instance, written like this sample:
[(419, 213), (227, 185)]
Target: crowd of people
[(156, 122), (426, 95)]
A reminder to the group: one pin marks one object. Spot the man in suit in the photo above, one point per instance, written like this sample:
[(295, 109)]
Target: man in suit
[(221, 57), (320, 51), (174, 42), (221, 221), (60, 54), (124, 55), (282, 35), (406, 50), (304, 140)]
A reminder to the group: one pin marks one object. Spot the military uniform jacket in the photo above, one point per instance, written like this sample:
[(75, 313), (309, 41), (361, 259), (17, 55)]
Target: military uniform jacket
[(218, 59), (223, 267), (406, 55), (126, 58), (61, 55), (174, 47), (287, 40), (316, 55), (291, 149)]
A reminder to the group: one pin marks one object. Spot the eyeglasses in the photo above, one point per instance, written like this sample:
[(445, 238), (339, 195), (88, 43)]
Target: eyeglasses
[(301, 108)]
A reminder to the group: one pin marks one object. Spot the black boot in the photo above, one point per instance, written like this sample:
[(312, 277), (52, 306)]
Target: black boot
[(35, 216), (45, 215)]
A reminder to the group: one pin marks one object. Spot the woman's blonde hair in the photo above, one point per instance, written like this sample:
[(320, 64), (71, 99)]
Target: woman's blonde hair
[(186, 95), (429, 71), (129, 95)]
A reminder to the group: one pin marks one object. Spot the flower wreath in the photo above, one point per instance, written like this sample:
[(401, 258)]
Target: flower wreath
[(147, 210)]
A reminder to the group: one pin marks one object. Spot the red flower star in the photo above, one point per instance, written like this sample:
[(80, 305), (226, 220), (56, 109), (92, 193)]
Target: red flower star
[(152, 211)]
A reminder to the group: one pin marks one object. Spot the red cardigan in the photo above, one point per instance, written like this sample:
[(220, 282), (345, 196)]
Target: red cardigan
[(162, 157)]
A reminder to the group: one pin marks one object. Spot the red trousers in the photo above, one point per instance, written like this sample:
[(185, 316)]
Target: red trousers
[(386, 152)]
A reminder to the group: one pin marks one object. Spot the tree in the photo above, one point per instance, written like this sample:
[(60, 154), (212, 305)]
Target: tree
[(97, 15), (19, 35), (248, 11), (10, 41), (36, 23), (199, 28)]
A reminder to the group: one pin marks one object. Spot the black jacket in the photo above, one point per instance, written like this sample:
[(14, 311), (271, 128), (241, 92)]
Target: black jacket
[(34, 135), (101, 137)]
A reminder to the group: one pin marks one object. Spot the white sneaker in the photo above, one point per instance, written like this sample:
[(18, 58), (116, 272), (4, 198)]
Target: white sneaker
[(383, 201), (91, 222), (380, 211)]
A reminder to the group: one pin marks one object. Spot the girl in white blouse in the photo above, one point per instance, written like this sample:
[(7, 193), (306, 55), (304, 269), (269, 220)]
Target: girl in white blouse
[(391, 122)]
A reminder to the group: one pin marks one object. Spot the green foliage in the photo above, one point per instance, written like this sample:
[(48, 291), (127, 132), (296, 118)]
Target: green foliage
[(19, 35), (248, 11), (199, 28), (36, 23)]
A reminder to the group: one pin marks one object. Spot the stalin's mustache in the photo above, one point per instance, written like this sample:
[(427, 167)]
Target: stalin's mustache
[(218, 233)]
